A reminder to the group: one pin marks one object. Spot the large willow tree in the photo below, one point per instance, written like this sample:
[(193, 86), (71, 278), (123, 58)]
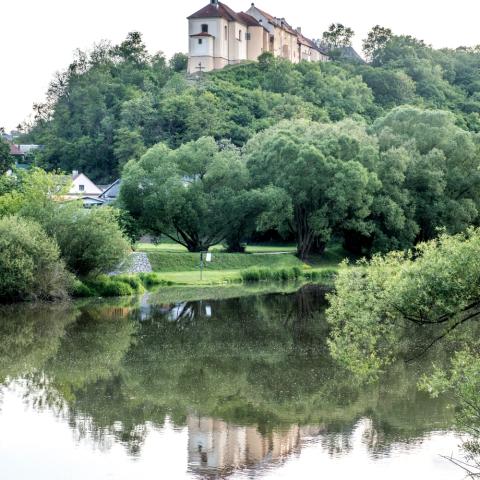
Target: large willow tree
[(319, 172)]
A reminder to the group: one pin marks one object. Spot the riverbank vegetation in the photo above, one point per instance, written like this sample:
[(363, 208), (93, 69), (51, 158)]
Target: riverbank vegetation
[(402, 305), (46, 242)]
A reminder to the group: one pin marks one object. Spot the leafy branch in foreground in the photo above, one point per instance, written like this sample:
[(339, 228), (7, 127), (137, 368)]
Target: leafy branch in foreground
[(401, 305), (404, 303)]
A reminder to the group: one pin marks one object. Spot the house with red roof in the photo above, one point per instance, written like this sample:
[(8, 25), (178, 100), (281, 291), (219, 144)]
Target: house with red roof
[(219, 36)]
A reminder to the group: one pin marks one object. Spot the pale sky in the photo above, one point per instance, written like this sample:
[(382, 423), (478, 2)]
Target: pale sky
[(38, 37)]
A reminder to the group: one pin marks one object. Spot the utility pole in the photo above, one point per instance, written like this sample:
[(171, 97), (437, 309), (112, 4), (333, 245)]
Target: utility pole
[(205, 258)]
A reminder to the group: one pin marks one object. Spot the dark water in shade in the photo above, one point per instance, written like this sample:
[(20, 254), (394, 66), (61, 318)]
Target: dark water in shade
[(234, 388)]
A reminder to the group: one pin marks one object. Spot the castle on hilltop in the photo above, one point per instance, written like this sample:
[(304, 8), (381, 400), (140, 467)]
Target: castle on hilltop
[(220, 37)]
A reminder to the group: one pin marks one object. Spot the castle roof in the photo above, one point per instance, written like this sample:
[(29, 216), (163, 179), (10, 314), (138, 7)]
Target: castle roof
[(249, 20), (269, 17), (220, 10)]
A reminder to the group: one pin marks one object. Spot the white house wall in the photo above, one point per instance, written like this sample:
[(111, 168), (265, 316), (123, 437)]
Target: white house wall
[(89, 187)]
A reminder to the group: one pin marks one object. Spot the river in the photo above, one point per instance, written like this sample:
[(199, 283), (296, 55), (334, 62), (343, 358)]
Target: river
[(238, 387)]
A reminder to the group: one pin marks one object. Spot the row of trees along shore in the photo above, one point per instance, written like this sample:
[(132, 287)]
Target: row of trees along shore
[(380, 187)]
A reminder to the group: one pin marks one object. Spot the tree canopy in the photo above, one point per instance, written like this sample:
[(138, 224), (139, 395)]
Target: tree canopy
[(6, 159), (196, 195), (318, 170)]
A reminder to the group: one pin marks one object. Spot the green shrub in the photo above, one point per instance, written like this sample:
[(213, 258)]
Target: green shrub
[(30, 264), (80, 290), (91, 241), (105, 286), (115, 288), (259, 274), (326, 275), (134, 281), (153, 279)]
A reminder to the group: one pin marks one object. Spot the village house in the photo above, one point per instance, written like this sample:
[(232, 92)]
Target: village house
[(92, 195), (22, 154), (220, 37)]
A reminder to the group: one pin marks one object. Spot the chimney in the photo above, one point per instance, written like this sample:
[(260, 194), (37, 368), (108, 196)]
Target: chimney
[(299, 30), (74, 173), (214, 2)]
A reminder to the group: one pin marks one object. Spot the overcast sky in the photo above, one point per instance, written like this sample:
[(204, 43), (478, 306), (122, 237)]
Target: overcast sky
[(38, 37)]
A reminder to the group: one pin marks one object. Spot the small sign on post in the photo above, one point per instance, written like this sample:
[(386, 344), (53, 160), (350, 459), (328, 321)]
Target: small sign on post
[(205, 257)]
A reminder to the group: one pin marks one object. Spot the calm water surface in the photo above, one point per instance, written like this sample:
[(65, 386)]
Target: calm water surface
[(235, 388)]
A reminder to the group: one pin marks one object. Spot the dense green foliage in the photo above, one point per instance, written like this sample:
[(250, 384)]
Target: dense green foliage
[(402, 162), (323, 185), (403, 305), (91, 241), (432, 290), (196, 195), (30, 265), (111, 104), (379, 187), (6, 159), (87, 242)]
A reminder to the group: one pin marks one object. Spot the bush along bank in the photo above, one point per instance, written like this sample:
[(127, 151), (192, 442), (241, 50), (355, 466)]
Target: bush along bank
[(256, 275), (117, 286)]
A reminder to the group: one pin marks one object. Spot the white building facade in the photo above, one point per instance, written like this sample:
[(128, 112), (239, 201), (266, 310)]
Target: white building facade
[(220, 37)]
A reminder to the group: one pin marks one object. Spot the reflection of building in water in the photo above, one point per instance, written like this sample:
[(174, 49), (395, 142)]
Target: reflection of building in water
[(216, 447)]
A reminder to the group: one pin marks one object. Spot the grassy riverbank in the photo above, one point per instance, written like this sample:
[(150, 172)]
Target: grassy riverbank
[(175, 264)]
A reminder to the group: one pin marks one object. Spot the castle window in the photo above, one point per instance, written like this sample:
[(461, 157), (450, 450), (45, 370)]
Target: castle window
[(226, 32), (240, 35), (200, 41), (204, 28), (248, 36)]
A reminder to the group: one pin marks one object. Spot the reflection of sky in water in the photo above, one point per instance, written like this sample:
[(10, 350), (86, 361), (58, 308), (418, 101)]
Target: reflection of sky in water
[(40, 444)]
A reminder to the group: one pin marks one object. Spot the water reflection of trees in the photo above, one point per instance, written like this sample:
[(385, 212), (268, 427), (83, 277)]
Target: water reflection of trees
[(257, 363)]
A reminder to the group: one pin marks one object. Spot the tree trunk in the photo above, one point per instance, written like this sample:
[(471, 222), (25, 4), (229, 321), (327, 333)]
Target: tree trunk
[(235, 247), (318, 246), (305, 235)]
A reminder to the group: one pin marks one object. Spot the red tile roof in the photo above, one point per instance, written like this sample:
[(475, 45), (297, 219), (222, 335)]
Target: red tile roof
[(269, 17), (249, 20), (15, 150), (217, 11)]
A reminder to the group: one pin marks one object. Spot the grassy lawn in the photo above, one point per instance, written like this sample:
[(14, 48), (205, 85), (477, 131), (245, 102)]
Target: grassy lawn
[(210, 277), (178, 265), (179, 262), (175, 247)]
